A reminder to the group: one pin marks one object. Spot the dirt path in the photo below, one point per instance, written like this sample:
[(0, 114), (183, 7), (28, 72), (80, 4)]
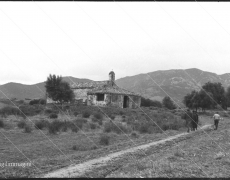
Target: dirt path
[(79, 169)]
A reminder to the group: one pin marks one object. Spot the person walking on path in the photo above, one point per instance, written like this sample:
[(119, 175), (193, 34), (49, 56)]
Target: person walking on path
[(216, 118), (195, 118), (188, 119)]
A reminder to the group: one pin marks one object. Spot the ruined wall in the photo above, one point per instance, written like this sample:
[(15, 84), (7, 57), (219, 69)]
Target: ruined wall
[(114, 100), (117, 100), (134, 102), (81, 94)]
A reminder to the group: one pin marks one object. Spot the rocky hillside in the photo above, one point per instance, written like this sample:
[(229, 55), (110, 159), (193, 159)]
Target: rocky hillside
[(22, 91), (176, 83)]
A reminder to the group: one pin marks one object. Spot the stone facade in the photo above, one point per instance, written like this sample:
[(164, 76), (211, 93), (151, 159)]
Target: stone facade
[(106, 93)]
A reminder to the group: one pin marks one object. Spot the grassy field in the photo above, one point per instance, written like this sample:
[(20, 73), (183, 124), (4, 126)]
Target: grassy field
[(50, 151), (201, 155)]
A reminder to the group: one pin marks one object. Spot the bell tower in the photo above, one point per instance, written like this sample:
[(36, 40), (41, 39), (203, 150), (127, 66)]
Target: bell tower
[(112, 77)]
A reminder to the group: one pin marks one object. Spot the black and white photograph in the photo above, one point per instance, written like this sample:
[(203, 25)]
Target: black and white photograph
[(116, 89)]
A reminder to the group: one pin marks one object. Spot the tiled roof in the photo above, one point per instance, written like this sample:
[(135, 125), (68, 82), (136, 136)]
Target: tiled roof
[(111, 90), (88, 85)]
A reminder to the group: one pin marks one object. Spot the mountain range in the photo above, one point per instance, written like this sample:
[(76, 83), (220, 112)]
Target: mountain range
[(155, 85)]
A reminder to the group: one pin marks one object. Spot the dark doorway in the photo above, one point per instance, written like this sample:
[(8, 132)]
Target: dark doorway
[(126, 102)]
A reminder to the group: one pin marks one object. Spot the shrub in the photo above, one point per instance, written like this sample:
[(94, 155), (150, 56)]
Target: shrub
[(1, 123), (86, 114), (134, 134), (40, 124), (79, 122), (37, 101), (74, 129), (98, 115), (53, 116), (27, 129), (112, 117), (21, 124), (75, 113), (48, 111), (55, 126), (115, 127), (104, 139), (31, 110), (94, 119), (92, 125), (9, 110), (100, 122)]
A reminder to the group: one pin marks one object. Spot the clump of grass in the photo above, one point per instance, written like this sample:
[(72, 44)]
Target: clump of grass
[(104, 139), (55, 126), (112, 116), (93, 125), (27, 128), (79, 122), (75, 113), (74, 128), (21, 124), (134, 134), (99, 121), (86, 114), (1, 123), (53, 116), (115, 127), (98, 115), (40, 124)]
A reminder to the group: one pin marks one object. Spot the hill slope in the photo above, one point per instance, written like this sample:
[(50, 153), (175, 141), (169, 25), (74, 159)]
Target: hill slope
[(176, 83), (154, 85), (22, 91)]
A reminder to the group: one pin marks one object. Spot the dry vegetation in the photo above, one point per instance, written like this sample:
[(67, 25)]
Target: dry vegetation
[(77, 134)]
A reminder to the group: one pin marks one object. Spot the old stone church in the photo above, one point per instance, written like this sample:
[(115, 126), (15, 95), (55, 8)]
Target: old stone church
[(106, 93)]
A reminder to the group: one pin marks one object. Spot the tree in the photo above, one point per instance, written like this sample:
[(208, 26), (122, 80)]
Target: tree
[(192, 100), (217, 91), (168, 103), (58, 90), (227, 95), (148, 102), (206, 100)]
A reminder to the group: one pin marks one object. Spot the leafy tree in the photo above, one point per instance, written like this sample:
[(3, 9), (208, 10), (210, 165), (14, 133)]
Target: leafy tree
[(192, 100), (205, 100), (148, 102), (217, 91), (227, 96), (168, 103), (58, 90)]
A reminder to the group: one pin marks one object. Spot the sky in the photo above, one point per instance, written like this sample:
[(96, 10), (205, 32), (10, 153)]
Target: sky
[(89, 39)]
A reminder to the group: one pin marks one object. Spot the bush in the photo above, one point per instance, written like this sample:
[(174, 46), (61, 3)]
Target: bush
[(53, 116), (104, 139), (93, 125), (21, 124), (79, 122), (134, 134), (31, 110), (86, 114), (112, 117), (27, 129), (1, 123), (9, 110), (75, 113), (74, 128), (115, 127), (48, 111), (98, 115), (55, 126), (40, 124), (37, 101)]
